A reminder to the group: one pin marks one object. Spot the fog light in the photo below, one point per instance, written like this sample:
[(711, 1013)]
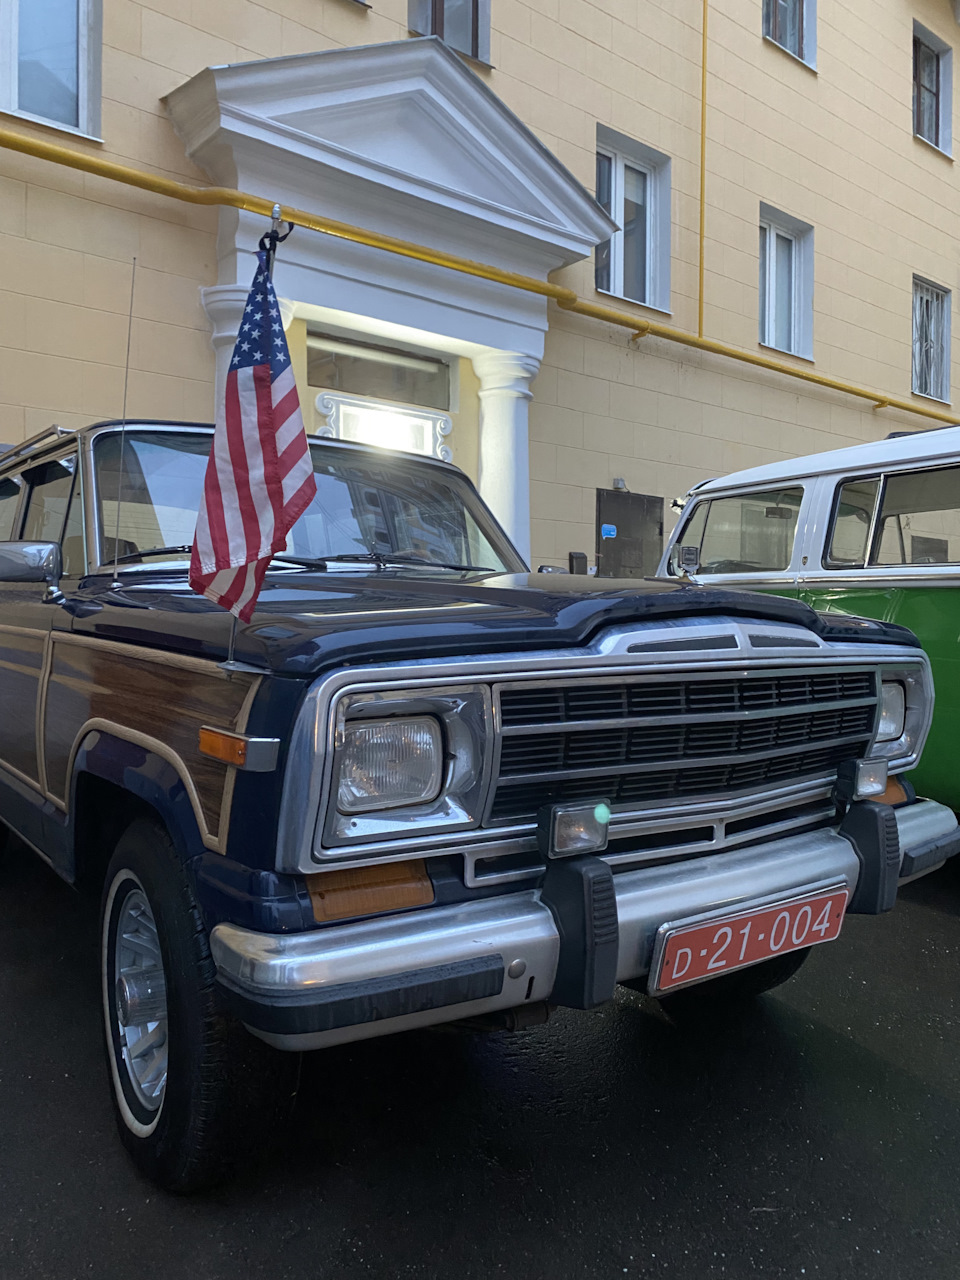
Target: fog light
[(564, 830), (861, 780)]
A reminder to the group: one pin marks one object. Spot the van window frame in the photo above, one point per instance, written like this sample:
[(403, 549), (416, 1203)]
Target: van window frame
[(825, 561)]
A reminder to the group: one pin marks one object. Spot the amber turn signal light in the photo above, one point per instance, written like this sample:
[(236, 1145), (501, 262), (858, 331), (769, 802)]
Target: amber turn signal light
[(368, 891), (230, 748)]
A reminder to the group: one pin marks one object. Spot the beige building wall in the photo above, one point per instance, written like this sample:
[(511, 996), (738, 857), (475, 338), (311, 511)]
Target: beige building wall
[(834, 148)]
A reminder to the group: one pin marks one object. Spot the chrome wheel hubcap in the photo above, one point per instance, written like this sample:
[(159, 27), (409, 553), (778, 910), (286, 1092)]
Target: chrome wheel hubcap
[(140, 1000)]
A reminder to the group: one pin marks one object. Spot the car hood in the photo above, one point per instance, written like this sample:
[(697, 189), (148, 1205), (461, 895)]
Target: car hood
[(308, 621)]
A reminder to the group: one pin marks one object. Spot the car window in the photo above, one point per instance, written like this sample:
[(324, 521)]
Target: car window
[(48, 496), (852, 515), (746, 533), (9, 505), (919, 520), (71, 546)]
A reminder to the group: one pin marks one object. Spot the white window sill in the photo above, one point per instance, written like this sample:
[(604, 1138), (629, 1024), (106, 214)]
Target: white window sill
[(933, 147), (811, 66), (52, 124), (922, 395), (783, 351), (647, 306)]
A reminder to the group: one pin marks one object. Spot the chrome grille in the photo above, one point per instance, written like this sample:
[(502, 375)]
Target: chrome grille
[(646, 742)]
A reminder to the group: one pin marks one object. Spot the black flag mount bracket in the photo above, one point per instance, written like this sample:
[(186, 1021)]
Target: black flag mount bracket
[(270, 239)]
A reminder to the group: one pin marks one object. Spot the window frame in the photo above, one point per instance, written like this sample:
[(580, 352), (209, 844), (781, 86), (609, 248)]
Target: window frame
[(943, 52), (89, 53), (807, 22), (875, 532), (706, 502), (626, 153), (946, 298), (426, 18), (826, 562), (773, 223)]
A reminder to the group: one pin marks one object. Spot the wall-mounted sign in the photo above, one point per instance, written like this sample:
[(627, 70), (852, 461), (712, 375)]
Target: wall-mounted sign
[(608, 531)]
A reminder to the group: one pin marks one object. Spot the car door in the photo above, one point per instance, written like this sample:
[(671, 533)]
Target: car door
[(38, 513)]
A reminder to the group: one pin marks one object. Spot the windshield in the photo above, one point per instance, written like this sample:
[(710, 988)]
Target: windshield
[(366, 508)]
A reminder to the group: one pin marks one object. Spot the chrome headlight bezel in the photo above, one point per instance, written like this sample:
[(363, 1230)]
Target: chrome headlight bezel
[(463, 716), (903, 752)]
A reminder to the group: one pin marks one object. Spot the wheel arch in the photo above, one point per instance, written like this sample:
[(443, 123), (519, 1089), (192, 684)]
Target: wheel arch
[(113, 782)]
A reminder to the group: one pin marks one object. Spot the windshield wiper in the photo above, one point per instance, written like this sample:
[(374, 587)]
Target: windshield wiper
[(381, 560), (150, 551), (307, 562)]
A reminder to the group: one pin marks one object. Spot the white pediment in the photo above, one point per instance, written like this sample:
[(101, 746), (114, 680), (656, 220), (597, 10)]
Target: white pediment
[(401, 138)]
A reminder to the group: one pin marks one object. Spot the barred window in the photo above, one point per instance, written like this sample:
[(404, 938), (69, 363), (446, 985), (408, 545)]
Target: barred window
[(931, 340)]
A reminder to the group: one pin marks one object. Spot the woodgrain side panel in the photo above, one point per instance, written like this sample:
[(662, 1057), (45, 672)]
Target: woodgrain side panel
[(21, 667), (148, 697)]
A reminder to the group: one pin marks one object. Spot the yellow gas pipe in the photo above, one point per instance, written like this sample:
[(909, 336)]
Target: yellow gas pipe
[(565, 298)]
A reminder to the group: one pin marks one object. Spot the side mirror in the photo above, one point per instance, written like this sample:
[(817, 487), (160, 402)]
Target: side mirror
[(30, 562)]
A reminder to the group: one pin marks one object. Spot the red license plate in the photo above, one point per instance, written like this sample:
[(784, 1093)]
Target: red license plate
[(693, 952)]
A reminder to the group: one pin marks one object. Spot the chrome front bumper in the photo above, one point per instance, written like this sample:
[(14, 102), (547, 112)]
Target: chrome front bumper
[(375, 977)]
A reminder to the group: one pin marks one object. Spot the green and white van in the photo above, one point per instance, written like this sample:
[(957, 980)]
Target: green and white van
[(872, 530)]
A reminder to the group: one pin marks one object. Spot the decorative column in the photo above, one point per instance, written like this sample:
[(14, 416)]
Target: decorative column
[(224, 304), (505, 378)]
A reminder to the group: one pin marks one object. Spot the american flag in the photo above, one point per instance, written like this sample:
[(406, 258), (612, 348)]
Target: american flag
[(259, 478)]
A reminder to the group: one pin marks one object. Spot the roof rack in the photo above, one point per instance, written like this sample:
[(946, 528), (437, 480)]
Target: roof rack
[(52, 431)]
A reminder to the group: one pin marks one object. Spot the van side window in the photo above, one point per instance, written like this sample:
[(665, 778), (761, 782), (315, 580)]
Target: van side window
[(852, 514), (9, 505), (748, 533), (920, 519)]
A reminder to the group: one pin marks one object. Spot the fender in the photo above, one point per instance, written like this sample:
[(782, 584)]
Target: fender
[(143, 772)]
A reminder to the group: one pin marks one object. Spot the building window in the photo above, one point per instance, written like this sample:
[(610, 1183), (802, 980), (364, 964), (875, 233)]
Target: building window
[(792, 24), (464, 25), (931, 340), (932, 88), (786, 283), (50, 61), (386, 373), (633, 186)]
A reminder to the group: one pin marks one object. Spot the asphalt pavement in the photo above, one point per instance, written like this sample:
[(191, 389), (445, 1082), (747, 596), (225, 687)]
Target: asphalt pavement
[(817, 1137)]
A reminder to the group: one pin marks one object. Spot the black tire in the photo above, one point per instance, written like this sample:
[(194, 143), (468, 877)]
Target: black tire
[(731, 991), (222, 1093)]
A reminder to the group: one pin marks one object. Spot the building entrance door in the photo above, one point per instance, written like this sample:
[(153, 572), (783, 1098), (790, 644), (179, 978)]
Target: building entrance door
[(629, 534)]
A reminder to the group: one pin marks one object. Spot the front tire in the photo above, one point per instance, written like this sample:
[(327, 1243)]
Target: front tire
[(193, 1091)]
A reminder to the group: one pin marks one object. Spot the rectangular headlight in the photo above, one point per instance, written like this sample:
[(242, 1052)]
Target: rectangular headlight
[(893, 710), (388, 763)]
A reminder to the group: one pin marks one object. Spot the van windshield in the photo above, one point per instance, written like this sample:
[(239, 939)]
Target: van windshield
[(367, 507), (745, 533)]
